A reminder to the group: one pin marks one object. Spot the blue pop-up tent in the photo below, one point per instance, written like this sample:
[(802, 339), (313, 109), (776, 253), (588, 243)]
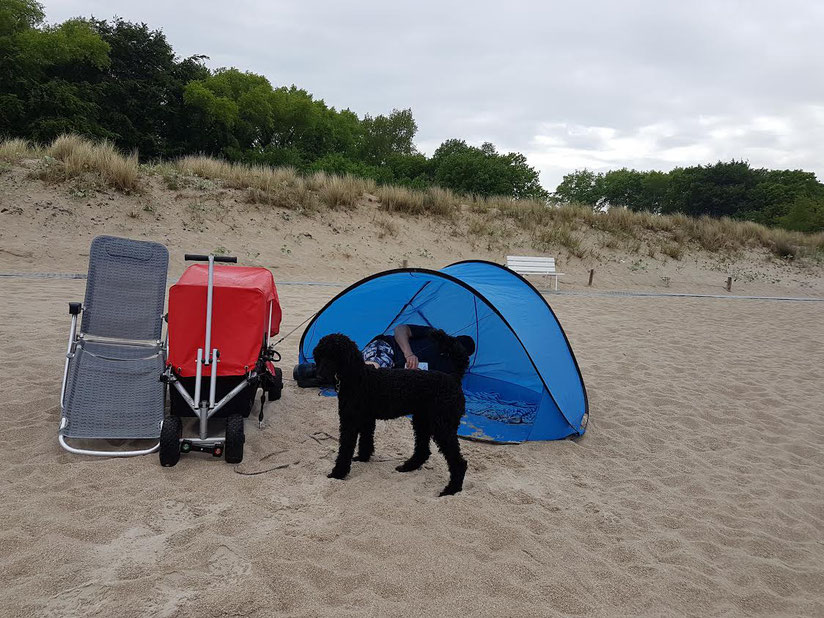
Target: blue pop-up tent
[(523, 381)]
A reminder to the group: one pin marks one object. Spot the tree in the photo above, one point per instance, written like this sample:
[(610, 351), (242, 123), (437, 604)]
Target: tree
[(241, 115), (449, 147), (141, 91), (581, 187), (623, 188), (48, 75), (790, 198), (523, 181), (19, 15), (234, 108), (412, 170), (384, 136), (483, 171), (470, 172), (805, 214)]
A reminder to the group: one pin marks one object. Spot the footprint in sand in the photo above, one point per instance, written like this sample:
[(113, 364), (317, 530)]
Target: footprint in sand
[(77, 601), (176, 511), (228, 565)]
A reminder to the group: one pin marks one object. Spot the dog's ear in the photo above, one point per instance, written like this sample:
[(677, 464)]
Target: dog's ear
[(454, 348), (353, 353), (443, 340), (326, 350), (320, 350), (348, 357)]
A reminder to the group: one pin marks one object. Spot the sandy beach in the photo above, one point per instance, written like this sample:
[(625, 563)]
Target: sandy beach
[(695, 491)]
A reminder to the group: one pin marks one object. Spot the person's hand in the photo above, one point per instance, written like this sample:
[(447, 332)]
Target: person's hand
[(411, 362)]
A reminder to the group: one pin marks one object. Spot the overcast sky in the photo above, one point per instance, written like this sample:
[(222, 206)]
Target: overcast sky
[(597, 84)]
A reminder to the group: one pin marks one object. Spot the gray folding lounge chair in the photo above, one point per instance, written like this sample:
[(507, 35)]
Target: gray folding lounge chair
[(111, 381)]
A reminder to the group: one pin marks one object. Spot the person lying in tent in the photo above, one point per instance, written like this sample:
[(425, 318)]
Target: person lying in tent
[(413, 347)]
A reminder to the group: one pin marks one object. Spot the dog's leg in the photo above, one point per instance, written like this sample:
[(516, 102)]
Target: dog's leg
[(348, 437), (448, 444), (366, 442), (420, 425)]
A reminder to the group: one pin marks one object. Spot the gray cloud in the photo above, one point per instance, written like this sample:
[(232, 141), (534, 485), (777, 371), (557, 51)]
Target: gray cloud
[(646, 84)]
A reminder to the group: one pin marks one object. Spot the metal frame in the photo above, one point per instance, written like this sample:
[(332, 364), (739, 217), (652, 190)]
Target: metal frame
[(206, 409), (74, 337), (93, 453), (202, 408)]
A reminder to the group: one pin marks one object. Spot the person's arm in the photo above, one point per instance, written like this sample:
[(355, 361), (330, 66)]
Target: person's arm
[(402, 333)]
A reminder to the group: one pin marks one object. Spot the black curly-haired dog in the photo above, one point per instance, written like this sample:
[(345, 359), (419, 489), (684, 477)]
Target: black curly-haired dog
[(434, 399)]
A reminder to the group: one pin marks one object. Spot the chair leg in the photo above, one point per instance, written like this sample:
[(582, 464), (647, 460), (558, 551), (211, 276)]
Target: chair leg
[(83, 451)]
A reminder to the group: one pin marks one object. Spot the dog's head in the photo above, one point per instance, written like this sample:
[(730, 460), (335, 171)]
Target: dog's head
[(458, 349), (337, 355)]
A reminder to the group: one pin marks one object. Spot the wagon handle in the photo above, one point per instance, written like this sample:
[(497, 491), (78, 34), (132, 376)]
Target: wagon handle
[(197, 257)]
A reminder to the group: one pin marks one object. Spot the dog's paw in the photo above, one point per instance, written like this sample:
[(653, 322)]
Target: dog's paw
[(361, 457), (337, 474), (449, 491), (409, 466)]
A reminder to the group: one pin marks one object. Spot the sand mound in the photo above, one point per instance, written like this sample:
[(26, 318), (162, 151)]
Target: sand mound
[(696, 489)]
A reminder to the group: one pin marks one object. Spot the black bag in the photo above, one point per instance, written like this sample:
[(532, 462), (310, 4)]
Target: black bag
[(306, 375)]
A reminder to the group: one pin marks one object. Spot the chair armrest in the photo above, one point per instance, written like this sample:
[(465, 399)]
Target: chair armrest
[(74, 311)]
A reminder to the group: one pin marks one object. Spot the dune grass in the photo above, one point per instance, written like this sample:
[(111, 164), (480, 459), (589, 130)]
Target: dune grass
[(671, 235), (238, 175), (343, 191), (72, 156), (433, 201), (400, 200), (386, 227), (280, 186), (578, 229), (15, 149)]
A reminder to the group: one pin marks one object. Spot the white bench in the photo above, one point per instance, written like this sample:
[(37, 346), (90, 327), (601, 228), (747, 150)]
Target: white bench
[(530, 265)]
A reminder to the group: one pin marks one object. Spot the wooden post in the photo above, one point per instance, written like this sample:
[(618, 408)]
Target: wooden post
[(729, 284), (405, 263), (591, 274)]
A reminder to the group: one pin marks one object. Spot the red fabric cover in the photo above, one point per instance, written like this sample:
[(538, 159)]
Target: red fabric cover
[(240, 311)]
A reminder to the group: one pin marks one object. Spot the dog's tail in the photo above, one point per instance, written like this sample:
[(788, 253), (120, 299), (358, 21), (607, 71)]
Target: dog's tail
[(453, 348)]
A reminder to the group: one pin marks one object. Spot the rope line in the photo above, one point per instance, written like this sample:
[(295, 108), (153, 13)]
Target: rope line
[(622, 293), (294, 329), (548, 292)]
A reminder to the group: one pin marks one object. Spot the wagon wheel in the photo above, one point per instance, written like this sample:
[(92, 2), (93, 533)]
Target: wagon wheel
[(234, 439), (275, 385), (170, 434)]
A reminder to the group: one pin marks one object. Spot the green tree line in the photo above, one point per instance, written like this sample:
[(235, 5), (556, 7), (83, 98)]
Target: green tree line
[(122, 81), (792, 199)]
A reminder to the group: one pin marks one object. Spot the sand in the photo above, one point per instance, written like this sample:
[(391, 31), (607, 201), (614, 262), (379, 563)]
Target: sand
[(696, 490)]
